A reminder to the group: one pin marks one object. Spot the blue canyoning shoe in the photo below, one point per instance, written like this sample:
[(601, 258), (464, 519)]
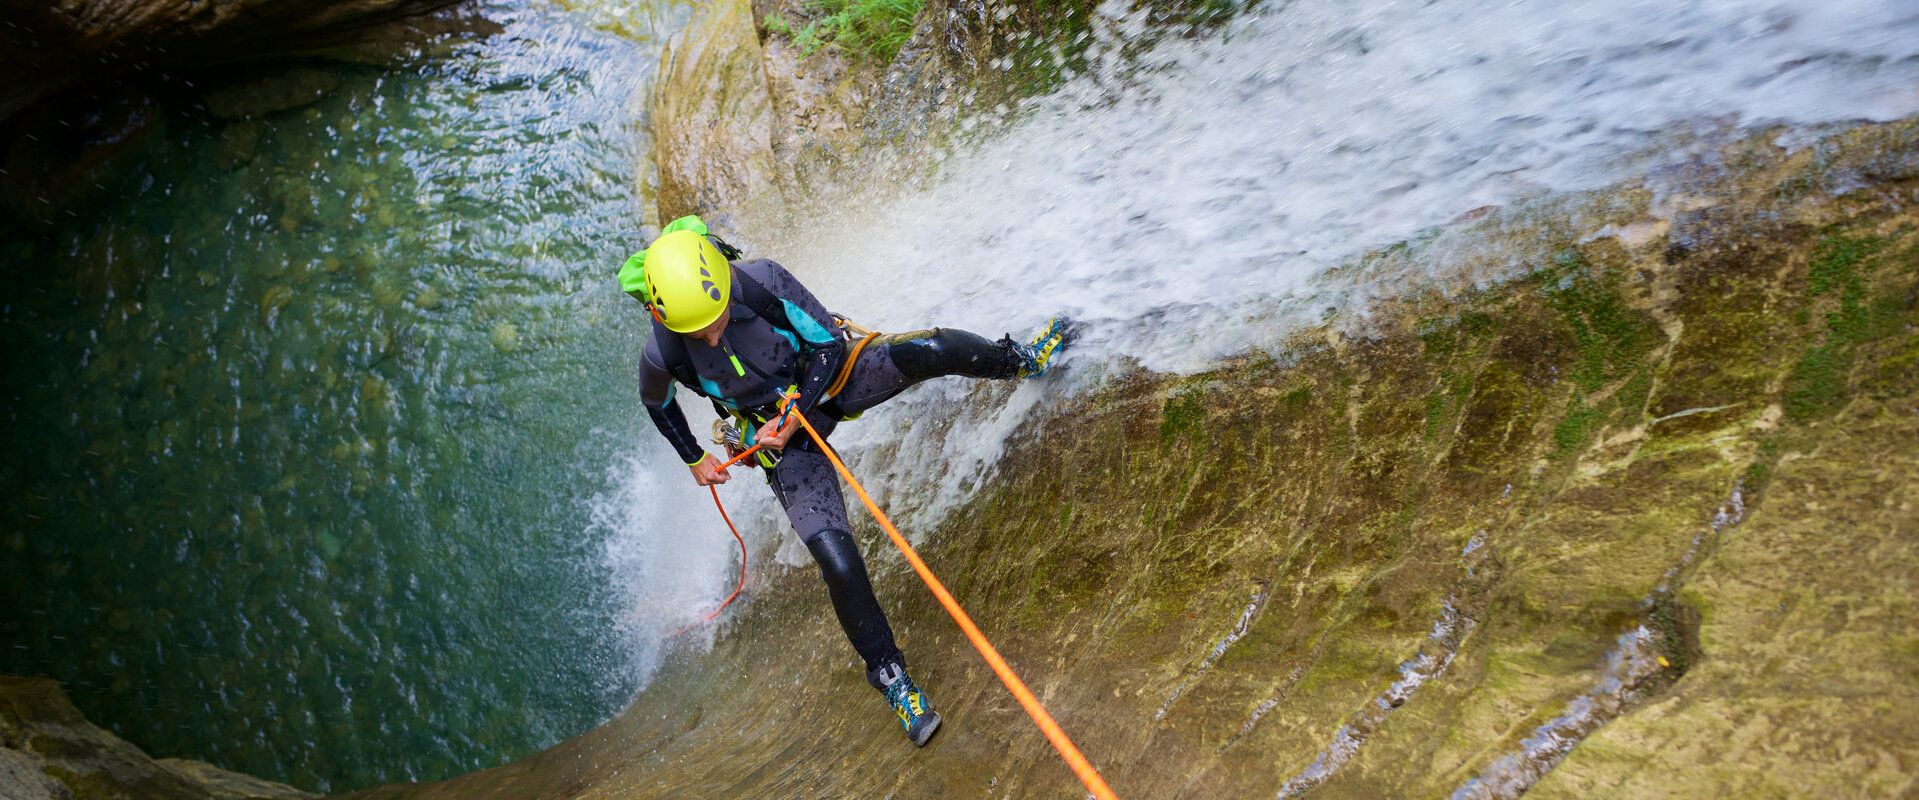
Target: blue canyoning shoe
[(914, 708), (1036, 354)]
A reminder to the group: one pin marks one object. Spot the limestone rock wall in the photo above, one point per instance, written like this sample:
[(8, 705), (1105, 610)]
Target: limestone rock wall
[(743, 121), (57, 45), (48, 751), (713, 118)]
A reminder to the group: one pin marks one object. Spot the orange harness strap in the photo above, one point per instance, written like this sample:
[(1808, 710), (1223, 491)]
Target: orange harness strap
[(846, 366), (1074, 759)]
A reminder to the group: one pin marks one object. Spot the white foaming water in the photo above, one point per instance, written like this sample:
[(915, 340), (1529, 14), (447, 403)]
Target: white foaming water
[(1189, 217), (1185, 216), (670, 556), (1186, 219)]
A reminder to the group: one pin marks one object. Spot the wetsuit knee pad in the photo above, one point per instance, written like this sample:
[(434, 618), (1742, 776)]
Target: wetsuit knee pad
[(852, 593), (951, 351), (839, 558)]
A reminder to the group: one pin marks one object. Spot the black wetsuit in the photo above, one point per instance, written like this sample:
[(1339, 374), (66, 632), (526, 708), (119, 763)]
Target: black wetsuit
[(757, 361)]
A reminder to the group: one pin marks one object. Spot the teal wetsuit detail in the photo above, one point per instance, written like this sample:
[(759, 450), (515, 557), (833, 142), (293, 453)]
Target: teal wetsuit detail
[(713, 391), (790, 340), (811, 329)]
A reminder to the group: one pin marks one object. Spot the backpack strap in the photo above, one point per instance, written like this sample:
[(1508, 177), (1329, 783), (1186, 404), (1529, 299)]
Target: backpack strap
[(763, 302), (677, 361)]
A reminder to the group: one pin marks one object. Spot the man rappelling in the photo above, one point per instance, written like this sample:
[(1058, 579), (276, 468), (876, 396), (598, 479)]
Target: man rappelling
[(748, 336)]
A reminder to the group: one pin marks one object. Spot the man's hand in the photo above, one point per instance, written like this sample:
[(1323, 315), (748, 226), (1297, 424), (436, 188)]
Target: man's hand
[(708, 472), (773, 436)]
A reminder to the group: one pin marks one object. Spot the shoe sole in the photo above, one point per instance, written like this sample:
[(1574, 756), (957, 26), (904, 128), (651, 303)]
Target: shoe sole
[(926, 732)]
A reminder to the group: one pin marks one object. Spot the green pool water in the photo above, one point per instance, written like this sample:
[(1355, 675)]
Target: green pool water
[(304, 417)]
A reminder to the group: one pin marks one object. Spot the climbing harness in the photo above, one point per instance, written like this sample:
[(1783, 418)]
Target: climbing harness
[(852, 356), (1054, 734)]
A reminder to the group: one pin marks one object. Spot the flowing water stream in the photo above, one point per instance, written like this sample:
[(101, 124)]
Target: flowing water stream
[(1187, 210), (326, 462)]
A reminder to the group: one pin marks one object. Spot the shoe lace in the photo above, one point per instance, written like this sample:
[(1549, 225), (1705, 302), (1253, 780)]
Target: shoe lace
[(1028, 356), (898, 691), (1033, 353)]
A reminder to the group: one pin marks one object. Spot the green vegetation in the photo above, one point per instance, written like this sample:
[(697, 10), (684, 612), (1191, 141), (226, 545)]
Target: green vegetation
[(1818, 381), (1442, 336), (1900, 363), (868, 29), (1636, 392)]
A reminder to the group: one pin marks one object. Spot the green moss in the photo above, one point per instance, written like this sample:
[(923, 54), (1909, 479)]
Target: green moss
[(1435, 413), (1836, 261), (1443, 337), (1610, 337), (1443, 402), (1817, 384), (1183, 414), (1579, 423), (1636, 392), (1758, 474), (1438, 338), (1901, 363)]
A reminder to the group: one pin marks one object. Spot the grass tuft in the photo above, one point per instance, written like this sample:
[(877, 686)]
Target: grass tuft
[(869, 29)]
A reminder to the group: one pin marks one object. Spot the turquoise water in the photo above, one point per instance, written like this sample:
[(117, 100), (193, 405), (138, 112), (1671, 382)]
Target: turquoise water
[(302, 434)]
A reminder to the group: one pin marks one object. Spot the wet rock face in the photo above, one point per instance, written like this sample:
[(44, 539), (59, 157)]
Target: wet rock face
[(75, 43), (745, 122), (48, 751), (713, 118), (273, 92)]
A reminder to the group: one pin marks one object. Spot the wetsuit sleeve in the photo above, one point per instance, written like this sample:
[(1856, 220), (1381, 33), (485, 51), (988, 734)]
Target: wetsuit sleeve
[(656, 393), (822, 340)]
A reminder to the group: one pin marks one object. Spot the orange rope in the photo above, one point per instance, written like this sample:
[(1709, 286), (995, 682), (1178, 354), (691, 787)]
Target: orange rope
[(736, 537), (1074, 759)]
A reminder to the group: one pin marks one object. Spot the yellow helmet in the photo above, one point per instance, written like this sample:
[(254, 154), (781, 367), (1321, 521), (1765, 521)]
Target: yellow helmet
[(688, 284)]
